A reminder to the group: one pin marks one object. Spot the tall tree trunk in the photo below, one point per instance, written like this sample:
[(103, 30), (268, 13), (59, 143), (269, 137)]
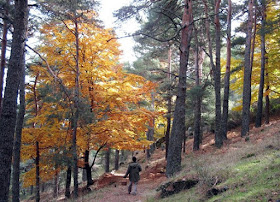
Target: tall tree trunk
[(247, 74), (207, 27), (107, 160), (178, 127), (169, 103), (217, 78), (3, 50), (197, 113), (37, 149), (88, 169), (76, 112), (68, 182), (37, 163), (17, 141), (8, 115), (224, 127), (117, 159), (260, 96)]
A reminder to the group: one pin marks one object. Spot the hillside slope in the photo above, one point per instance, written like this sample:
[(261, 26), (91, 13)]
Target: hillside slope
[(244, 169), (247, 169)]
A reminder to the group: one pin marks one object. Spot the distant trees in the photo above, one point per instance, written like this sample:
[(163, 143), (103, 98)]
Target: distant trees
[(210, 13)]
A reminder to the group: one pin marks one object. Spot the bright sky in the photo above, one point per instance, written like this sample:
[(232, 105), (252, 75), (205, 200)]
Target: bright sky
[(106, 15)]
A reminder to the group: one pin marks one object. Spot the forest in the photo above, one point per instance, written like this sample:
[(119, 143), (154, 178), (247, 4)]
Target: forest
[(69, 104)]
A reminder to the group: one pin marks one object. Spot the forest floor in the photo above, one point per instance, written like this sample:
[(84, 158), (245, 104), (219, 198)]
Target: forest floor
[(113, 188)]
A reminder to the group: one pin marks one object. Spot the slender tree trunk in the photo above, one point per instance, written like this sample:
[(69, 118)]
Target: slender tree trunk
[(261, 87), (55, 186), (37, 149), (76, 113), (88, 169), (31, 189), (217, 78), (68, 182), (224, 127), (247, 74), (178, 126), (17, 142), (37, 162), (197, 114), (218, 141), (184, 143), (8, 115), (117, 159), (169, 103), (107, 160), (3, 51), (167, 134)]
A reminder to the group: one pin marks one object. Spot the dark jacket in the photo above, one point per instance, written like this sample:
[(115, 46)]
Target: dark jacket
[(133, 172)]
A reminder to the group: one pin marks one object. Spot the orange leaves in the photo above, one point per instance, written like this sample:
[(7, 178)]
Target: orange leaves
[(109, 105)]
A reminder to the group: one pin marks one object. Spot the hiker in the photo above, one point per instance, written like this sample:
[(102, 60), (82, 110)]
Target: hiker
[(133, 172)]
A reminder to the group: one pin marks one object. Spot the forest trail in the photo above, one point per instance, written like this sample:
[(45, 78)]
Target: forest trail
[(113, 187)]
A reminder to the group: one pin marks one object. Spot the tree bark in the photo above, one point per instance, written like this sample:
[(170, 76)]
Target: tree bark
[(178, 128), (258, 122), (68, 182), (224, 127), (117, 159), (76, 112), (197, 113), (88, 169), (31, 189), (55, 185), (8, 115), (37, 161), (267, 99), (17, 141), (3, 50), (169, 103), (107, 160), (37, 148), (247, 74), (167, 133), (217, 78)]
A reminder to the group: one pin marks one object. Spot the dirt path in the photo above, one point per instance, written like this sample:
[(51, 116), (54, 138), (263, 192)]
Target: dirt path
[(118, 192)]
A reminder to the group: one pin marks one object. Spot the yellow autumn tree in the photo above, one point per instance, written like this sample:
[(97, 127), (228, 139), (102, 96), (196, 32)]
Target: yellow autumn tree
[(110, 111)]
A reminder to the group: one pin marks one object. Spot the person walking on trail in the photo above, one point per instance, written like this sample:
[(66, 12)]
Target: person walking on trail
[(133, 172)]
